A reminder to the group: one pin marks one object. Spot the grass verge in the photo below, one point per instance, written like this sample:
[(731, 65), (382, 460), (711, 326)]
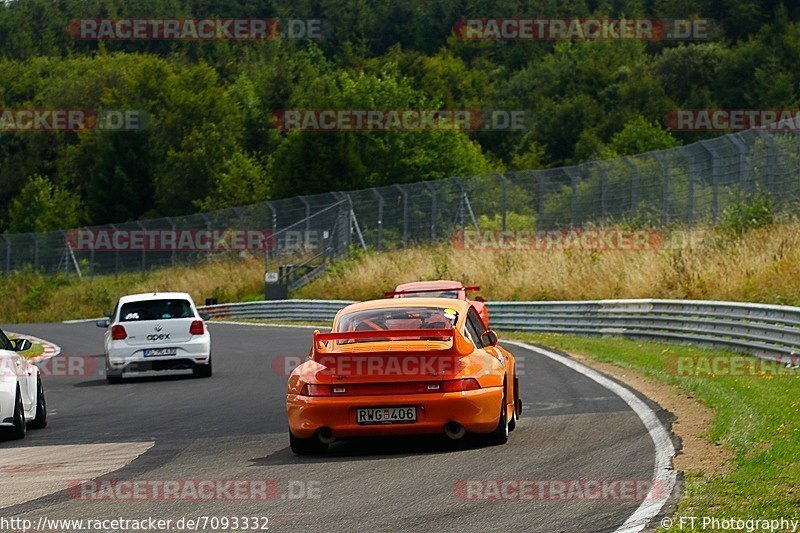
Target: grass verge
[(757, 417)]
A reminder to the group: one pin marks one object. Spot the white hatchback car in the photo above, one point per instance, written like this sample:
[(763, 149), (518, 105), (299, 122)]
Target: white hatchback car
[(156, 331)]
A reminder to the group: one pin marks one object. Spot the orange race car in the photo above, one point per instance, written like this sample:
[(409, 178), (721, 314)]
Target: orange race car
[(403, 367), (442, 288)]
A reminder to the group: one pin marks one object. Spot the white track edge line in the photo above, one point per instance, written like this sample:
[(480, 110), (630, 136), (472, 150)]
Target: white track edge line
[(664, 476)]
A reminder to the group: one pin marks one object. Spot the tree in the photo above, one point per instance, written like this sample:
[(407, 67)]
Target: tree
[(41, 206), (638, 136)]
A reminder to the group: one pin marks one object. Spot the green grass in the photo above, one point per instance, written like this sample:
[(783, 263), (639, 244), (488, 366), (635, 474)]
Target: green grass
[(756, 417)]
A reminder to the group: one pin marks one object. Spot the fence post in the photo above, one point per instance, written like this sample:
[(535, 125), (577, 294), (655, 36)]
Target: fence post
[(573, 183), (308, 212), (603, 190), (691, 173), (66, 253), (771, 160), (208, 228), (540, 203), (664, 188), (503, 187), (116, 251), (174, 230), (742, 149), (404, 193), (714, 181), (144, 248), (431, 188), (8, 253), (634, 186), (379, 196)]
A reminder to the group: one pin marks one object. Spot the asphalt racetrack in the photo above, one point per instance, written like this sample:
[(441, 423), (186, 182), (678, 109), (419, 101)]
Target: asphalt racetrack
[(233, 427)]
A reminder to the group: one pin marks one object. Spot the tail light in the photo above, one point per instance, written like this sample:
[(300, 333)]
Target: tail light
[(460, 385), (118, 333), (377, 389), (197, 328)]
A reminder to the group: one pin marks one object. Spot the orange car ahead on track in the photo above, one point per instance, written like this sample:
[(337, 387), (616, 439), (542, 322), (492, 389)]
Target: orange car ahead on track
[(403, 367), (441, 288)]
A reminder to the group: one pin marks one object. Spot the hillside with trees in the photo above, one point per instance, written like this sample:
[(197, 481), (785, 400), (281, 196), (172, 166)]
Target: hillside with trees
[(208, 139)]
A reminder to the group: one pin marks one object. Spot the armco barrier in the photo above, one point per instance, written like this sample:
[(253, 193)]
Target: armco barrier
[(769, 331), (292, 310)]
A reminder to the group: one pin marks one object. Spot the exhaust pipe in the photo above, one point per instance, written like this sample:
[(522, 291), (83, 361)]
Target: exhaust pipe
[(454, 430), (325, 436)]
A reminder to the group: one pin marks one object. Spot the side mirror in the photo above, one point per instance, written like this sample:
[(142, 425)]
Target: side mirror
[(20, 345), (480, 299), (103, 323), (205, 316), (489, 338)]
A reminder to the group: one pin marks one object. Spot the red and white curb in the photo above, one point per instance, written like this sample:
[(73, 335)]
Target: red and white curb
[(50, 349)]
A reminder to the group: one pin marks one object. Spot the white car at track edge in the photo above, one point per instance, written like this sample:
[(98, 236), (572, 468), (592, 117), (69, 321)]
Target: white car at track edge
[(153, 332), (22, 401)]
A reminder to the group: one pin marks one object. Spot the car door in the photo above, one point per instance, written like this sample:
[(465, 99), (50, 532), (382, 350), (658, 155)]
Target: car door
[(20, 368)]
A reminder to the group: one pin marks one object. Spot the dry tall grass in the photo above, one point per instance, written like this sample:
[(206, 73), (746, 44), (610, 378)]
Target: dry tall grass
[(29, 297), (761, 266)]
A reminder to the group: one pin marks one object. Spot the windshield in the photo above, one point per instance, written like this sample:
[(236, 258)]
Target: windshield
[(155, 310), (439, 294), (396, 318)]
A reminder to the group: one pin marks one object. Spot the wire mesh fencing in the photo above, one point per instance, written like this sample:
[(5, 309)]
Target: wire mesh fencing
[(690, 185)]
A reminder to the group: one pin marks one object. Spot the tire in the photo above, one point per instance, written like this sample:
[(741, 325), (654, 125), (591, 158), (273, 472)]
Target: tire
[(512, 424), (20, 429), (40, 422), (203, 371), (500, 434), (310, 446)]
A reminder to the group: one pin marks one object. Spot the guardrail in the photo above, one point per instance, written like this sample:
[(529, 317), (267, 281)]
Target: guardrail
[(292, 310), (768, 331)]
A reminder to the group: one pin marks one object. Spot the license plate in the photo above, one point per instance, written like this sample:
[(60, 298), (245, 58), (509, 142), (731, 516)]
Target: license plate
[(160, 352), (386, 415)]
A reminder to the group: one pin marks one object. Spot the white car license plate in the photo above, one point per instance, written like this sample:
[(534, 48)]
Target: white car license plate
[(160, 352), (386, 415)]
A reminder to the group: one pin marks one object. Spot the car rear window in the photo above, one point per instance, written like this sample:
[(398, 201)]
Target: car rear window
[(440, 294), (155, 310), (389, 319)]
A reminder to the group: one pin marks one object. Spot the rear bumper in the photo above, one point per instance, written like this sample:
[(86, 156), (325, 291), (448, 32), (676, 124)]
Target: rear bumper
[(478, 411), (125, 358)]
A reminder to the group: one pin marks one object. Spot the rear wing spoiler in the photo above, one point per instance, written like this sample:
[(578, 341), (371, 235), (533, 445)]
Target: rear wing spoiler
[(460, 345), (392, 294)]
